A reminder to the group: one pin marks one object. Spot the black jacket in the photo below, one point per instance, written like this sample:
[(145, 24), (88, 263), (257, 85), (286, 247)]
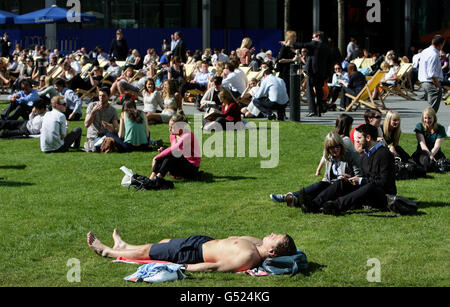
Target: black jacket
[(379, 169), (180, 50), (320, 58), (5, 47), (119, 49)]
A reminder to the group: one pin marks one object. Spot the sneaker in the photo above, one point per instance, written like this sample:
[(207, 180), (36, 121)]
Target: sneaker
[(278, 198)]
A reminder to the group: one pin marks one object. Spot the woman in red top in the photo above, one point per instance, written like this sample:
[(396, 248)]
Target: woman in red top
[(231, 112)]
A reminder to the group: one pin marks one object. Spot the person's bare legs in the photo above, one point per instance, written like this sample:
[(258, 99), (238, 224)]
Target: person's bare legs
[(140, 253), (154, 118)]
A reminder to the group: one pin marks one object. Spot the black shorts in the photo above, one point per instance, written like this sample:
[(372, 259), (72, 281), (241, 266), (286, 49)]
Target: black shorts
[(182, 251)]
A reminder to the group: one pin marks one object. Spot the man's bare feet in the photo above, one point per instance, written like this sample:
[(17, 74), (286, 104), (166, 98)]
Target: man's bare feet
[(98, 247), (118, 242)]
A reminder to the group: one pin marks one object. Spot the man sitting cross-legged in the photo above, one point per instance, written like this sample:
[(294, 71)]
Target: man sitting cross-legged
[(200, 253)]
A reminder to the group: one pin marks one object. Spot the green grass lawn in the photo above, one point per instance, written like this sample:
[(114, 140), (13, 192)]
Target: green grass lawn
[(49, 203)]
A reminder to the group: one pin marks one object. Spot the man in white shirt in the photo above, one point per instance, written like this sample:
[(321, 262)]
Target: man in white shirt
[(272, 94), (233, 80), (54, 137), (219, 57), (430, 72)]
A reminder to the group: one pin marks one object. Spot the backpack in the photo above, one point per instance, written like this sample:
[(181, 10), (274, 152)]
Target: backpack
[(408, 170), (140, 182), (401, 205), (286, 264)]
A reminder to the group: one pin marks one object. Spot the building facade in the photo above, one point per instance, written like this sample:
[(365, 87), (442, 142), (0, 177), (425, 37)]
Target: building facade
[(259, 19)]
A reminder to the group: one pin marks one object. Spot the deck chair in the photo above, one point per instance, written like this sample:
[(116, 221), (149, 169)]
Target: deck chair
[(400, 88), (255, 74), (56, 72), (358, 62), (93, 91), (445, 92), (367, 63), (189, 70), (365, 96), (245, 69)]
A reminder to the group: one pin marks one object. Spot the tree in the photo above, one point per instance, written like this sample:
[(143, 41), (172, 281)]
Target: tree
[(341, 26), (287, 10)]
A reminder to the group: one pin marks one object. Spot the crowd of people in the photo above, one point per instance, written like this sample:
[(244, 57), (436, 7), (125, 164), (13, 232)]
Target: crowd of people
[(360, 163)]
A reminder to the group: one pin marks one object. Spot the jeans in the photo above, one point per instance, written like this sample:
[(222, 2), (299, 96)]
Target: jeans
[(72, 138)]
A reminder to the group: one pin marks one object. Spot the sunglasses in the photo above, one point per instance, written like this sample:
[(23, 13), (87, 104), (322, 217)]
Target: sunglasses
[(334, 147), (63, 104), (337, 68)]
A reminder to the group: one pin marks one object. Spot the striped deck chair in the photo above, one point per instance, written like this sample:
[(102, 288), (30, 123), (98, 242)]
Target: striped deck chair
[(400, 88), (358, 62), (365, 96)]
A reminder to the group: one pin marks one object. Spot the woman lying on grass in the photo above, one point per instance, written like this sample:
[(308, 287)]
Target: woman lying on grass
[(341, 164)]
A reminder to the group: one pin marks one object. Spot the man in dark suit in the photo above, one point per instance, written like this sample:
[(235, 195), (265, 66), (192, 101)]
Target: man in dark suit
[(180, 47), (317, 69), (5, 45), (378, 177)]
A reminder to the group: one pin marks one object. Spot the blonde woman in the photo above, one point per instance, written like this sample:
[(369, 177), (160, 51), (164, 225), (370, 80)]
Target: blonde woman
[(392, 132), (286, 57), (172, 104), (244, 52), (341, 164), (430, 137)]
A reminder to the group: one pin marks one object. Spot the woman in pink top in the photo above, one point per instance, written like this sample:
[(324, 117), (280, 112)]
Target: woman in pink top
[(182, 159)]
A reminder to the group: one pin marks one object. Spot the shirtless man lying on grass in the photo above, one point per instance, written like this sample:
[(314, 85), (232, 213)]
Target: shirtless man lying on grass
[(200, 253)]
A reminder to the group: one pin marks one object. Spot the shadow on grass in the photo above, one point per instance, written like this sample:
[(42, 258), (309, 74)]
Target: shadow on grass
[(432, 205), (13, 184), (312, 268), (18, 167), (229, 178)]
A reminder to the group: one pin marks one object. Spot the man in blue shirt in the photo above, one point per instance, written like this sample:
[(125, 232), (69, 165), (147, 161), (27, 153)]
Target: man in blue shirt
[(73, 110), (21, 103), (272, 94), (430, 72), (200, 81)]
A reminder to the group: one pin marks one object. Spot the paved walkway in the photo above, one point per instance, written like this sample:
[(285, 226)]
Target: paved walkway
[(410, 112)]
